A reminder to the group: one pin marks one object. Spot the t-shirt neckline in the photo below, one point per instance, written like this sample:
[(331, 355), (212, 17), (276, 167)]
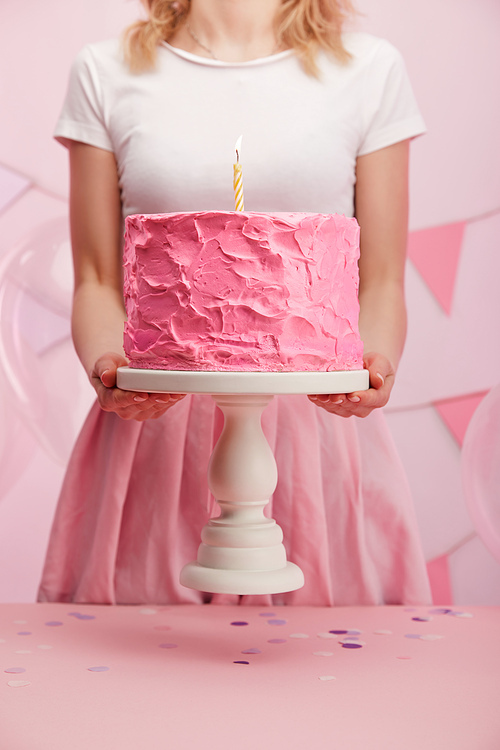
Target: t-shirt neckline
[(221, 63)]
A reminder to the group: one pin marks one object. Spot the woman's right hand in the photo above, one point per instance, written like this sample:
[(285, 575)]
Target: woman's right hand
[(127, 404)]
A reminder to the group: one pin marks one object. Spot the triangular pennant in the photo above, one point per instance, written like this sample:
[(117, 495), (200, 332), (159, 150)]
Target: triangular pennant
[(456, 413), (435, 254), (12, 185), (438, 571)]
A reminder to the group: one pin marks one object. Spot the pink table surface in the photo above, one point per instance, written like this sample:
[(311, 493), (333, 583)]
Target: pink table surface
[(181, 677)]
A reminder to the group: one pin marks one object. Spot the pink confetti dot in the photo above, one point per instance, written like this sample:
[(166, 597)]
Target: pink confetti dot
[(18, 683), (277, 622), (53, 623), (15, 670), (277, 640), (24, 632), (98, 669), (252, 651)]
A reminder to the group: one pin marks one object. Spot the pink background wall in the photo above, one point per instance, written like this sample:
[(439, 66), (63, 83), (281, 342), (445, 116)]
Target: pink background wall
[(452, 358)]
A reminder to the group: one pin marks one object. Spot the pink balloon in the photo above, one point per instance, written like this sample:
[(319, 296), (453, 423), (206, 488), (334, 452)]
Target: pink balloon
[(38, 366), (481, 470)]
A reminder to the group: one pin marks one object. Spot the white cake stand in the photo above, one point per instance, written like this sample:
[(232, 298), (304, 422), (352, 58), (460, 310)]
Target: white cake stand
[(242, 551)]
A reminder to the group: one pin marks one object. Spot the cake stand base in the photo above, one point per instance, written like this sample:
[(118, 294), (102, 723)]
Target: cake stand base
[(217, 581), (241, 550)]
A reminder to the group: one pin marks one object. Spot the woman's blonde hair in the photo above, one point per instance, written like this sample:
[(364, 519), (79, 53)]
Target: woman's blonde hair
[(305, 26)]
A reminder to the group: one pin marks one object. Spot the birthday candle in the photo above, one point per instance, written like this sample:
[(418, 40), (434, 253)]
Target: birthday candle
[(238, 178)]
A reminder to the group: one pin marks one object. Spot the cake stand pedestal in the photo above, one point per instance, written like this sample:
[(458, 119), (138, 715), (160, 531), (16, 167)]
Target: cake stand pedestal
[(241, 551)]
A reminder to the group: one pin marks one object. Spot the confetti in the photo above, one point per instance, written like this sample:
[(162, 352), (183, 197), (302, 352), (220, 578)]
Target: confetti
[(20, 622), (276, 622), (354, 631), (422, 619), (352, 645), (326, 677), (98, 669), (18, 683), (23, 651), (403, 657), (322, 653), (299, 635), (241, 662), (277, 640), (439, 611), (354, 640), (81, 616), (430, 637), (252, 651), (53, 623), (239, 623), (339, 632), (15, 670), (44, 646), (460, 614), (382, 632), (326, 635), (167, 645), (24, 632), (412, 635)]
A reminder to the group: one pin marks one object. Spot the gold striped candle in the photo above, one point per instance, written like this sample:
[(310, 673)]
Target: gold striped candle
[(238, 178)]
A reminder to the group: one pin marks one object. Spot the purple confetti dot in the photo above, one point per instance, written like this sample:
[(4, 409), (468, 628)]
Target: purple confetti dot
[(53, 623), (15, 670), (277, 640), (252, 651), (81, 616), (421, 619), (277, 622), (24, 632), (352, 645), (439, 611), (168, 645), (412, 635), (239, 622), (241, 662), (339, 632), (98, 669)]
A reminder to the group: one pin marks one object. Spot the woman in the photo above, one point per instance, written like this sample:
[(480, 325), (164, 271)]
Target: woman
[(327, 119)]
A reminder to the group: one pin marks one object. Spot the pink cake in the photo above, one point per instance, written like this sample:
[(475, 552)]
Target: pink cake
[(242, 291)]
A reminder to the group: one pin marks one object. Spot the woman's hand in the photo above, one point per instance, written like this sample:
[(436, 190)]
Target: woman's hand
[(127, 404), (362, 403)]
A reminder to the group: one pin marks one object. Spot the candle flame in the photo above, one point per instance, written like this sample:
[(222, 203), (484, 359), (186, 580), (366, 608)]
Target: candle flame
[(237, 148)]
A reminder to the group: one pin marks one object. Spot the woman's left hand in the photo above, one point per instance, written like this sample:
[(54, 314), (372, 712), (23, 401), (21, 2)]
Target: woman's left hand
[(362, 403)]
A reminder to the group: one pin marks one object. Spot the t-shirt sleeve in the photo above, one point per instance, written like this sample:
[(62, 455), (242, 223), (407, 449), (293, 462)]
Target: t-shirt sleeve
[(391, 113), (82, 117)]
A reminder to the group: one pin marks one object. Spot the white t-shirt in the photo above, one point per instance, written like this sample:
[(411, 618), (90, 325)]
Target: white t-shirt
[(173, 130)]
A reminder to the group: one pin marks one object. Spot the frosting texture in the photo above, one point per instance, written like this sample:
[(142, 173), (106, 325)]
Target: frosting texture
[(242, 291)]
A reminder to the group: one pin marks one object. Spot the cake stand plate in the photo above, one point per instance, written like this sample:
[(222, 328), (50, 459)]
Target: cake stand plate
[(180, 381), (241, 550)]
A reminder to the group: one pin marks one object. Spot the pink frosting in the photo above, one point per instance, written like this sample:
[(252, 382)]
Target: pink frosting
[(215, 290)]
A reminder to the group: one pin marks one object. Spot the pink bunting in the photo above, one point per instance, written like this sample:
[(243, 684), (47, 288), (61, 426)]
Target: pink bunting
[(435, 253), (456, 413), (440, 581), (12, 186)]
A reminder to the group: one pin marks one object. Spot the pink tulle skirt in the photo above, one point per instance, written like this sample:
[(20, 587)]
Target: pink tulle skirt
[(135, 499)]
